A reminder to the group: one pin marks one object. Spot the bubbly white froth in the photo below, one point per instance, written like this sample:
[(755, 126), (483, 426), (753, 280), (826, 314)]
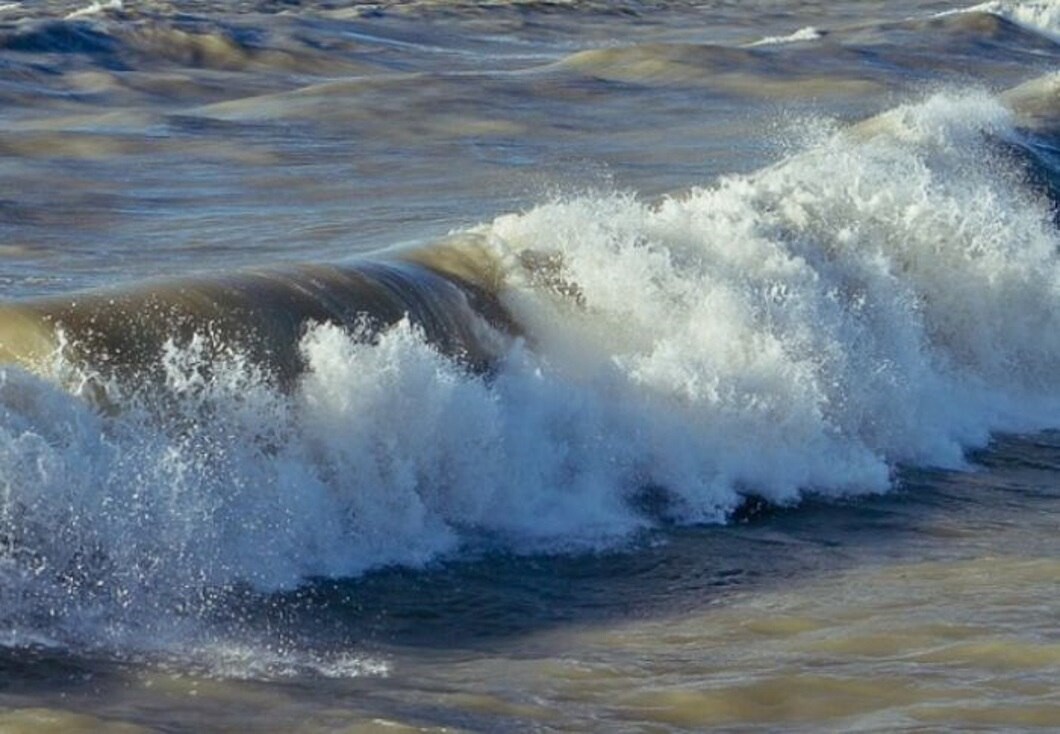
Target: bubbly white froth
[(809, 33), (96, 8)]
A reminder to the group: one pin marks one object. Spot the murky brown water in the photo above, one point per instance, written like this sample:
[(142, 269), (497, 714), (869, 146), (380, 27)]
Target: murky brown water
[(709, 293)]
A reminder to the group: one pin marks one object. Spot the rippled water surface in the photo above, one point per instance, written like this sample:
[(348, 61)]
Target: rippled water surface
[(152, 138), (529, 366)]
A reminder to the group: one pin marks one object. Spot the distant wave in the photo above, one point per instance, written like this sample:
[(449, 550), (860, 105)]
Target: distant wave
[(852, 61), (150, 42), (1039, 15)]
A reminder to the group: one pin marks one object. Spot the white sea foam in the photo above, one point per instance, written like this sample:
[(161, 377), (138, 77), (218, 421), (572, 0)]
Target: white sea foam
[(96, 8), (888, 296), (809, 33)]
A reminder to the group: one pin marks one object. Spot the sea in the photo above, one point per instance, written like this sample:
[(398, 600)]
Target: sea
[(529, 366)]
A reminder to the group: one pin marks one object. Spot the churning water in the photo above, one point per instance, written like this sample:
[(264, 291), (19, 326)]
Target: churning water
[(506, 366)]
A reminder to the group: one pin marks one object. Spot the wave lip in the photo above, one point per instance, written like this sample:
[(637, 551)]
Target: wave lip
[(262, 314)]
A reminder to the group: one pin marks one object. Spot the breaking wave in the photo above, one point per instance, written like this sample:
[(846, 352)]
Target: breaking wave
[(888, 296)]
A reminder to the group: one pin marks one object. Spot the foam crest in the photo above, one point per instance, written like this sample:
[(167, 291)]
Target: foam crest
[(808, 33), (95, 8), (870, 302)]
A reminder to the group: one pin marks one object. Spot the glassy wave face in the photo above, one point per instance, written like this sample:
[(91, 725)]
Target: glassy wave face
[(866, 296)]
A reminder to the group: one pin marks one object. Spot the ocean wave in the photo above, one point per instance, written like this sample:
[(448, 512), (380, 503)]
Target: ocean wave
[(888, 296), (151, 42), (857, 59), (1042, 16), (447, 293)]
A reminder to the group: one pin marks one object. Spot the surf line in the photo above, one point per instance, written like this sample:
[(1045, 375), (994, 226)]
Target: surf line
[(449, 290)]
